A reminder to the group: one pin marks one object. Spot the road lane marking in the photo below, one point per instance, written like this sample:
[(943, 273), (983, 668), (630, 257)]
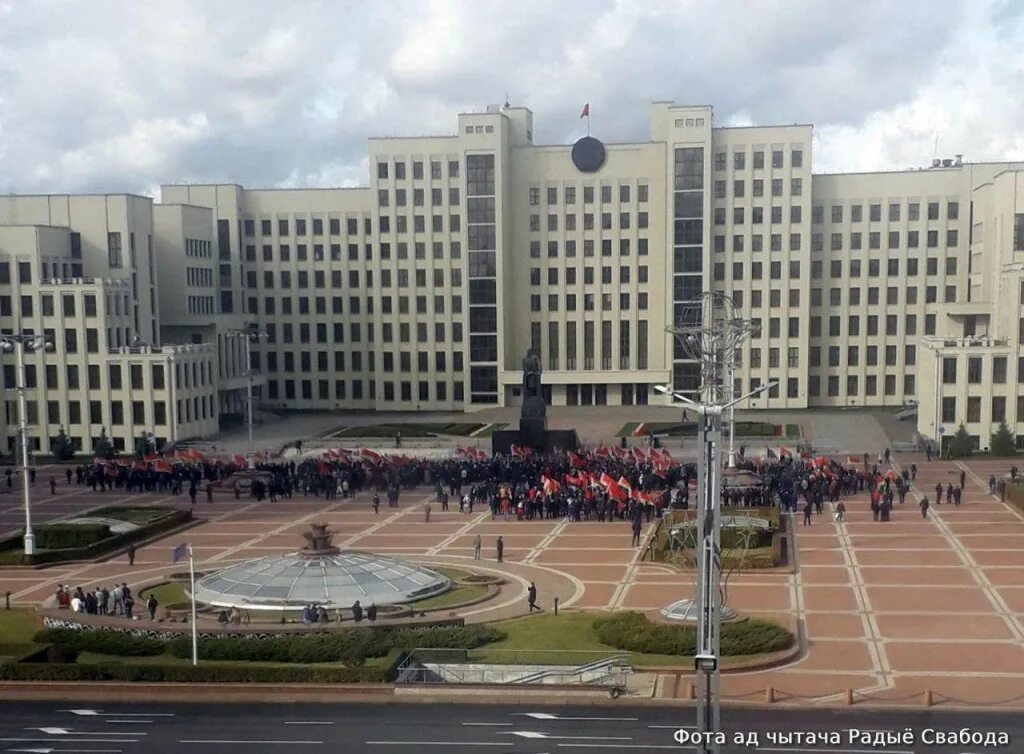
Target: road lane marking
[(434, 743), (549, 716), (309, 722), (249, 741), (489, 724)]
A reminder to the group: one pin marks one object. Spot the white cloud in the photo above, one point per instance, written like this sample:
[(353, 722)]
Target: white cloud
[(104, 96)]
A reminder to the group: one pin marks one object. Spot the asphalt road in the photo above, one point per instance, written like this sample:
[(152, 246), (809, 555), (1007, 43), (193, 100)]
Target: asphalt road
[(49, 727)]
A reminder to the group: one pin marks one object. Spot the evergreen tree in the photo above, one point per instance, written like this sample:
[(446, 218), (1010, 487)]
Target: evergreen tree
[(1003, 442), (959, 444), (105, 448), (62, 447)]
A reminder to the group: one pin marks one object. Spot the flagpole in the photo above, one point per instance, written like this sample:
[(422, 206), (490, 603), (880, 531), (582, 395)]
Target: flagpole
[(192, 581)]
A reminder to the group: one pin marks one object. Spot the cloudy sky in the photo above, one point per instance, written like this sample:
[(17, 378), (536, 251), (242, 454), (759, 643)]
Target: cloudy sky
[(98, 95)]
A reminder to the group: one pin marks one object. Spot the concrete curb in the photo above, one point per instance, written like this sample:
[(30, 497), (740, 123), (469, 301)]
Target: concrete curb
[(560, 696)]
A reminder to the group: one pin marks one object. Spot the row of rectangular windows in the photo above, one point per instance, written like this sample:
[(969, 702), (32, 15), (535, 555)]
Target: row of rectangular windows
[(913, 240), (973, 413), (739, 159), (301, 227), (855, 269), (625, 245), (302, 278), (384, 169), (341, 392), (569, 194), (441, 305), (895, 212), (588, 275), (305, 361), (796, 188), (642, 221), (384, 251), (588, 302), (306, 332)]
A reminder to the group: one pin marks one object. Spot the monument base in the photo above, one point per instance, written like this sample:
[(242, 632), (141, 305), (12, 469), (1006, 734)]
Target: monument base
[(541, 440)]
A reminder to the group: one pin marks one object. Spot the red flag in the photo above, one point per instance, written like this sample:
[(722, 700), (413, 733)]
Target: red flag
[(606, 481), (640, 430), (575, 461), (239, 460), (138, 466), (550, 485), (586, 111), (162, 467), (624, 483), (602, 452), (367, 453)]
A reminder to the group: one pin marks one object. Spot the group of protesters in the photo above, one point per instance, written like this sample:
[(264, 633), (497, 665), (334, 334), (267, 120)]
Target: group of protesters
[(115, 602)]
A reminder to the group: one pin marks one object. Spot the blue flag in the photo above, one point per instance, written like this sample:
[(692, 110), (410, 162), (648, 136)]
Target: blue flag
[(180, 552)]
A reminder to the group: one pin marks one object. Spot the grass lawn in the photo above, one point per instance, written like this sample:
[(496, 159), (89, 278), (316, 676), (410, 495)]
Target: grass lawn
[(454, 595), (566, 639), (17, 626), (166, 594), (569, 639)]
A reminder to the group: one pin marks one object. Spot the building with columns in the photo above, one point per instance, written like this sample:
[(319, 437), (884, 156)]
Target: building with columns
[(424, 289)]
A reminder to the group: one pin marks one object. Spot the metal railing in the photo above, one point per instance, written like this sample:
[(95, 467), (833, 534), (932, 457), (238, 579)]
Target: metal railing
[(522, 668)]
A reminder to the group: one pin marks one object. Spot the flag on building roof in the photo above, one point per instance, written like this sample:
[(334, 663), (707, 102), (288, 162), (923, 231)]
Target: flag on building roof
[(586, 111), (180, 552)]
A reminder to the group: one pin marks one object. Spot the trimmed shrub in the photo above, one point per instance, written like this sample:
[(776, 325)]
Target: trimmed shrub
[(65, 536), (102, 641), (206, 673), (632, 632), (61, 653)]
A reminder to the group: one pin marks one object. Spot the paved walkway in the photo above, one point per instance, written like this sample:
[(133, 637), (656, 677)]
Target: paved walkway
[(886, 609)]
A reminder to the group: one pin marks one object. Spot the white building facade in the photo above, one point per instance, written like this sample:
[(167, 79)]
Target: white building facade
[(424, 289)]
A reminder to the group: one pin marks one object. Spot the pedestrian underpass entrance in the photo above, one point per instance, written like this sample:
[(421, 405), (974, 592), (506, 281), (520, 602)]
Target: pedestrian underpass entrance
[(454, 667)]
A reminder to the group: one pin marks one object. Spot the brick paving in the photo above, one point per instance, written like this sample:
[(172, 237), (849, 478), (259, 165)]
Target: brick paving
[(887, 609)]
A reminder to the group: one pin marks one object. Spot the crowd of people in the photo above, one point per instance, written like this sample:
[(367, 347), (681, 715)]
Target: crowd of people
[(119, 601)]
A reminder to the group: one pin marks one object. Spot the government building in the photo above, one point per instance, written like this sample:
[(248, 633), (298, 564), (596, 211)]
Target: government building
[(424, 289)]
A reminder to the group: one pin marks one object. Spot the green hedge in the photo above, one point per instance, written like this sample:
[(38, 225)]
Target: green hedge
[(67, 536), (10, 553), (633, 632), (351, 647), (101, 641), (205, 673)]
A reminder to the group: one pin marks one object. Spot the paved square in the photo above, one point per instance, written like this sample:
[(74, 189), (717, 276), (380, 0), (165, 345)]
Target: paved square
[(887, 608)]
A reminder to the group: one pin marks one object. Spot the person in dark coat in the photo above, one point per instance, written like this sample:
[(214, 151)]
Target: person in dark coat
[(131, 555), (371, 612), (151, 605), (357, 612), (531, 597), (501, 549)]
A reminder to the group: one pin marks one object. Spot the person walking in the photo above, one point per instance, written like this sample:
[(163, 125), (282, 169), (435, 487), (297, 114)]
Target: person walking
[(426, 512), (531, 597), (991, 484), (924, 507), (376, 504), (840, 511), (209, 492), (963, 477), (192, 492), (500, 546), (53, 486), (808, 510), (913, 472), (477, 542), (67, 473), (131, 555), (637, 528), (151, 605)]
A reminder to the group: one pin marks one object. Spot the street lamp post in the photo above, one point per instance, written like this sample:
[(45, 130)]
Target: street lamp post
[(248, 338), (18, 343), (709, 331)]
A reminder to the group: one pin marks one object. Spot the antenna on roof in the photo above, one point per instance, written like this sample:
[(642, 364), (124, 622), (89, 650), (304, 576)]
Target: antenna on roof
[(935, 154)]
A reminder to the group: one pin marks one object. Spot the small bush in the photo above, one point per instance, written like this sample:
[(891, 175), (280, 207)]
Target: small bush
[(632, 632)]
